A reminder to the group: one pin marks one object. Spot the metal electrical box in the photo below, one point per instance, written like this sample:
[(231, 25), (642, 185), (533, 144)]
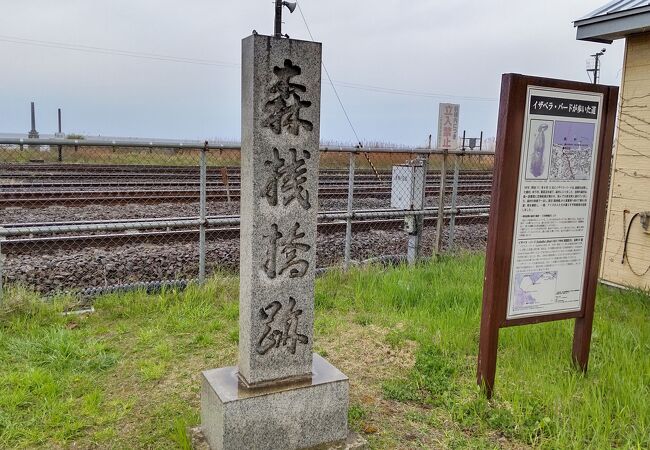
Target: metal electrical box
[(406, 186)]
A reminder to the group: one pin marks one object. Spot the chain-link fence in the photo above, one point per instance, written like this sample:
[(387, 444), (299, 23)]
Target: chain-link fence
[(93, 216)]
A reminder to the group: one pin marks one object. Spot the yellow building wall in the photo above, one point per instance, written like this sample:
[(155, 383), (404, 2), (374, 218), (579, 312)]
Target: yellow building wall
[(630, 183)]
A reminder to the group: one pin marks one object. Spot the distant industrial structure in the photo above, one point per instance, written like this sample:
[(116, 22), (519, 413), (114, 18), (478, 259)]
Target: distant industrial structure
[(33, 134)]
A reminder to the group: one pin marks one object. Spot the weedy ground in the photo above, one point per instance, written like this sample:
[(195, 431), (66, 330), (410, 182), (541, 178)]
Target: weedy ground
[(222, 158), (127, 376)]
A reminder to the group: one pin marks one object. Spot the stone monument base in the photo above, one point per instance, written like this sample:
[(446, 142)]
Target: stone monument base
[(288, 417), (354, 442)]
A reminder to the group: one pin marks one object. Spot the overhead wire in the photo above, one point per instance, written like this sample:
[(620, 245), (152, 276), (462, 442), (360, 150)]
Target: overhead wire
[(338, 97), (388, 90), (116, 52), (225, 64)]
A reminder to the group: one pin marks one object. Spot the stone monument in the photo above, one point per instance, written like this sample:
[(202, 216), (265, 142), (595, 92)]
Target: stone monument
[(281, 395)]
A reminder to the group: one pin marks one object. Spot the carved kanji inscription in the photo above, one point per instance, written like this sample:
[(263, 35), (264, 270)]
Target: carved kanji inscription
[(284, 251), (280, 328), (287, 179), (284, 102)]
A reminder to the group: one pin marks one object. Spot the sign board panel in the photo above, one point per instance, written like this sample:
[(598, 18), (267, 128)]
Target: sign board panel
[(448, 116), (406, 187), (557, 175), (547, 213)]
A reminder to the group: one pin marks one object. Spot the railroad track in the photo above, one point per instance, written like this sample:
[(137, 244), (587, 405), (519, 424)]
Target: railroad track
[(35, 199), (77, 180), (17, 182), (143, 168), (35, 172), (35, 185), (73, 242)]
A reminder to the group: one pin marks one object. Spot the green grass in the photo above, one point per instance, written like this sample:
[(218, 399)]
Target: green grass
[(127, 376)]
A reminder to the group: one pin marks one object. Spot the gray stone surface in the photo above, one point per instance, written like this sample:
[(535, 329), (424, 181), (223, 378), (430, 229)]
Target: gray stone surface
[(284, 417), (354, 441), (281, 396), (281, 83)]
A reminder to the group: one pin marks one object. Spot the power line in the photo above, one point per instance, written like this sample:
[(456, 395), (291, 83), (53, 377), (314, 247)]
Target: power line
[(330, 79), (116, 52), (224, 64), (374, 169), (388, 90)]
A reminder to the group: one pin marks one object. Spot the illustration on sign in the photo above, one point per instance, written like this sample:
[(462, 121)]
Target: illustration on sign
[(552, 219), (539, 149)]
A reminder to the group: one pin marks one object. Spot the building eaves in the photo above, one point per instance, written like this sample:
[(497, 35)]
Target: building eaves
[(614, 20), (615, 6)]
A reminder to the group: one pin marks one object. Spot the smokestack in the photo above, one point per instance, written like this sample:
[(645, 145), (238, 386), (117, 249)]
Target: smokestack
[(33, 133)]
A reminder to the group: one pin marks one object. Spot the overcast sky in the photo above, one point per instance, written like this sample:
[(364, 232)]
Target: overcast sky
[(436, 50)]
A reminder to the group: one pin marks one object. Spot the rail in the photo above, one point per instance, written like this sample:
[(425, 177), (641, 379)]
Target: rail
[(54, 228), (197, 145)]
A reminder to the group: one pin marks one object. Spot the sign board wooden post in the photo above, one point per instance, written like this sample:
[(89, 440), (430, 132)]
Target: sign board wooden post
[(547, 217)]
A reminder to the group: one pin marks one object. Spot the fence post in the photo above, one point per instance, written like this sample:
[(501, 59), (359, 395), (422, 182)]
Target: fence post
[(415, 238), (348, 225), (454, 201), (2, 262), (226, 182), (441, 204), (202, 202)]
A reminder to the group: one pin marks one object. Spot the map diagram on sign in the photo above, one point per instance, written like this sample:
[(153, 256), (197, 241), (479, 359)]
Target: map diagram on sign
[(536, 288), (573, 144)]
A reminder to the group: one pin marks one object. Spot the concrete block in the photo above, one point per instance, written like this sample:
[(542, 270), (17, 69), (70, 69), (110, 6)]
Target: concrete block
[(284, 417)]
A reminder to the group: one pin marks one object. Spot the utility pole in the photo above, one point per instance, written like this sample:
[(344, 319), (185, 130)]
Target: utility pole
[(277, 29), (291, 6), (596, 68)]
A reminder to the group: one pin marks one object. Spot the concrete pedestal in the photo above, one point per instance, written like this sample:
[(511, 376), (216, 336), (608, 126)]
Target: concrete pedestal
[(285, 417)]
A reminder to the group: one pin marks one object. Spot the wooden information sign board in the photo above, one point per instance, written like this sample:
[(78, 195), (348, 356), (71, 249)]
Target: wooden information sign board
[(547, 217)]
